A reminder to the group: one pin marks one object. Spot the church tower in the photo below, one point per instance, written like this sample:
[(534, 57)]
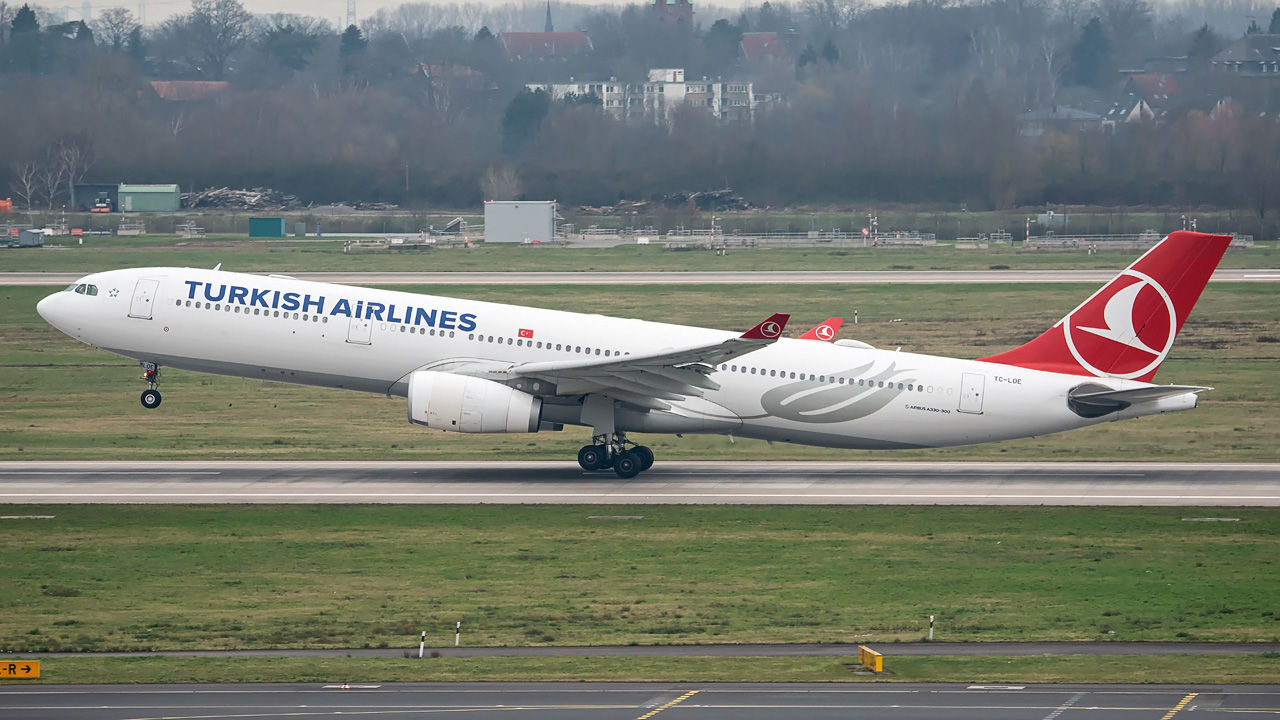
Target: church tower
[(549, 27)]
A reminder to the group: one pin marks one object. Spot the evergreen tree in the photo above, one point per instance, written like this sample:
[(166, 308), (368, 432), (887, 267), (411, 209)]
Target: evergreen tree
[(1204, 45), (1274, 28), (830, 53), (1091, 63), (483, 34), (133, 45), (351, 48), (808, 57), (24, 41), (1253, 29), (522, 118)]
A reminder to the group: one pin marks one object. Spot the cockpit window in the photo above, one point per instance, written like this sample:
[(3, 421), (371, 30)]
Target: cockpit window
[(72, 287), (82, 289), (91, 290)]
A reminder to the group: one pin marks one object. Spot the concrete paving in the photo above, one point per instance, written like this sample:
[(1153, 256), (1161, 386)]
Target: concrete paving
[(674, 482), (636, 701)]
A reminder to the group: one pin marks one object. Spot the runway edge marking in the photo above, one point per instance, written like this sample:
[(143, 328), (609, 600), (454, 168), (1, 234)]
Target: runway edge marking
[(1181, 704), (671, 704)]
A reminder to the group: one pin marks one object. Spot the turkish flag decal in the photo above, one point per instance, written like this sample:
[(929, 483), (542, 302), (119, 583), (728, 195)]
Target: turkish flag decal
[(526, 333)]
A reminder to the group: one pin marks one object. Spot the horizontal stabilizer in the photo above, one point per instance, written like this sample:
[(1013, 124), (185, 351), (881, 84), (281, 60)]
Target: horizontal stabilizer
[(1091, 400)]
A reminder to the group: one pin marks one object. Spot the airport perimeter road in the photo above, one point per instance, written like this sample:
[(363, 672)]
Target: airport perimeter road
[(797, 277), (636, 701), (792, 483)]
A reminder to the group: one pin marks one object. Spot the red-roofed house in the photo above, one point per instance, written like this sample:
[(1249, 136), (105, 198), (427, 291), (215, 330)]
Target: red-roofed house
[(761, 47), (544, 45), (188, 90), (1159, 91)]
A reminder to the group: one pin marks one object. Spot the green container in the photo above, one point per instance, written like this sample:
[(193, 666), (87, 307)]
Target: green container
[(266, 227), (149, 198)]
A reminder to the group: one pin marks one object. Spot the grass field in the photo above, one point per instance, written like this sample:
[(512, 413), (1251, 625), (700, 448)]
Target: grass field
[(210, 577), (1212, 669), (63, 400), (241, 254)]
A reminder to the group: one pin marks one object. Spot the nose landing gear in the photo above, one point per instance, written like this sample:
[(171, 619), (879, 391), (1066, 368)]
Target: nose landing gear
[(151, 396), (612, 452)]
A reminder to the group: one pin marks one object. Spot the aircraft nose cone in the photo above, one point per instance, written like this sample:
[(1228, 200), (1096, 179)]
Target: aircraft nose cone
[(48, 309)]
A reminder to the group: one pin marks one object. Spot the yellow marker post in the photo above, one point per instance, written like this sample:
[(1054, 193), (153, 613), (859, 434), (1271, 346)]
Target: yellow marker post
[(871, 659), (20, 669)]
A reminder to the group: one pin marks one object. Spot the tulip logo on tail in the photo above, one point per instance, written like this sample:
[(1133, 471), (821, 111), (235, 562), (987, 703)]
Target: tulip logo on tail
[(771, 329), (824, 332), (1126, 335)]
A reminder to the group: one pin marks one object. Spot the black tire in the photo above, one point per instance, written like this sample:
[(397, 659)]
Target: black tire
[(151, 399), (645, 455), (627, 465), (593, 457)]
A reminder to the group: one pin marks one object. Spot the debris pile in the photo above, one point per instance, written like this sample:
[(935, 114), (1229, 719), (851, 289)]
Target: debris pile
[(228, 199), (710, 200)]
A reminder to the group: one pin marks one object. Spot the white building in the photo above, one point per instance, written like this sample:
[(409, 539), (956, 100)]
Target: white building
[(666, 89)]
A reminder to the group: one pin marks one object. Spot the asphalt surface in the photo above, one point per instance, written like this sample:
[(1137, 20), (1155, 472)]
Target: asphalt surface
[(764, 277), (849, 483), (913, 649), (639, 701)]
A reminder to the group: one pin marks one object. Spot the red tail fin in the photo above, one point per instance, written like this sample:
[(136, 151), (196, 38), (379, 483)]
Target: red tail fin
[(1126, 329), (826, 332)]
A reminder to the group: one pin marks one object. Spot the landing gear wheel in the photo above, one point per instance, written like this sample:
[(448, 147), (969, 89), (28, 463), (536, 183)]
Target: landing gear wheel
[(627, 465), (593, 457), (151, 399), (645, 455)]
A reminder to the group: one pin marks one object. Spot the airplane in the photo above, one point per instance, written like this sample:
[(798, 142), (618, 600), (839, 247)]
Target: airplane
[(478, 367)]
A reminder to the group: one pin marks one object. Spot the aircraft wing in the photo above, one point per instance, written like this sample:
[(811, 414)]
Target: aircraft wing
[(647, 380)]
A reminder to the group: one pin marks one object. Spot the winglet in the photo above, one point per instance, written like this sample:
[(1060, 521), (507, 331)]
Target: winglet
[(770, 329), (826, 332)]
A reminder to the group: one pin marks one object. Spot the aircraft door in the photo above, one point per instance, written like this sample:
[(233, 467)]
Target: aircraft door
[(971, 389), (360, 331), (144, 295)]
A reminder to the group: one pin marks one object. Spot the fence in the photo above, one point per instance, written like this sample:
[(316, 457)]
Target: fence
[(1094, 243)]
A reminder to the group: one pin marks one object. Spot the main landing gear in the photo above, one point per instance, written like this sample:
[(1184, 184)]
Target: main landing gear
[(151, 396), (611, 451)]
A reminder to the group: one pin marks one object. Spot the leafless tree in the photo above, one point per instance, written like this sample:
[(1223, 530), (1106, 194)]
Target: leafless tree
[(500, 183), (24, 182), (210, 34), (50, 174), (75, 154), (113, 26)]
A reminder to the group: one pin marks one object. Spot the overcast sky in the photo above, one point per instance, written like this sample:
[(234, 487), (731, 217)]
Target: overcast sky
[(335, 11)]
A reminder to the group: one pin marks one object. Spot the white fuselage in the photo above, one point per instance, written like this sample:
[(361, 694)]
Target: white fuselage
[(356, 338)]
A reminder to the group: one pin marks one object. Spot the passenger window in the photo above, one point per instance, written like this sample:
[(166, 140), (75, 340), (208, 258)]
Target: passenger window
[(773, 373), (793, 376), (841, 381), (606, 353), (597, 351), (753, 371)]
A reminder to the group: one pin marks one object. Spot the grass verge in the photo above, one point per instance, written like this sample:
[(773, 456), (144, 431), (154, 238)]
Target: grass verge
[(1212, 669), (244, 255), (286, 576)]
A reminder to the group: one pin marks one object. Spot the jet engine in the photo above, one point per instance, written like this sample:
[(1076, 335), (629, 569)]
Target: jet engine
[(457, 403)]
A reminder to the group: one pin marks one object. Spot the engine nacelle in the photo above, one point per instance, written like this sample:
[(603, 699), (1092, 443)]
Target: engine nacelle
[(458, 403)]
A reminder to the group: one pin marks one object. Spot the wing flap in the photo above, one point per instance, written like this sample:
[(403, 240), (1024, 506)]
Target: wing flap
[(1093, 400)]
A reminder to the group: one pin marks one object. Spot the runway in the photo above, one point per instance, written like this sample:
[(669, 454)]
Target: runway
[(789, 483), (782, 277), (638, 701)]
